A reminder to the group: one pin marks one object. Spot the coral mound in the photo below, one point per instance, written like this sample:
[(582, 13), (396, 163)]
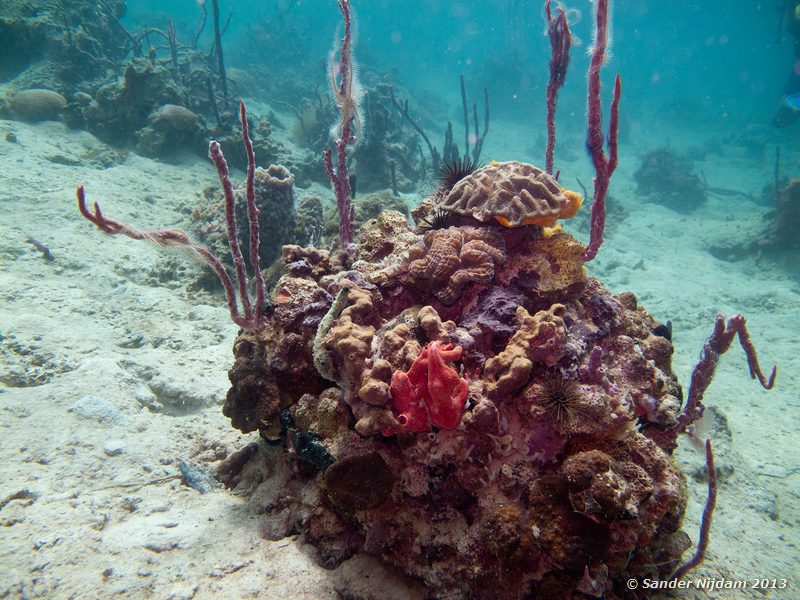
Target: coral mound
[(512, 193), (470, 409)]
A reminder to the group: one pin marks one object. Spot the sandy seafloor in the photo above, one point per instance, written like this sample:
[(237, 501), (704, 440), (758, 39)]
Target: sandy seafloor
[(89, 503)]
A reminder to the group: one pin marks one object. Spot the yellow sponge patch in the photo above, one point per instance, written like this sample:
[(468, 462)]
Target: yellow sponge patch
[(574, 202)]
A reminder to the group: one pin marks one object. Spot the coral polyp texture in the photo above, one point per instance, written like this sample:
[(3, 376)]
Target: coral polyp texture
[(512, 193), (468, 407)]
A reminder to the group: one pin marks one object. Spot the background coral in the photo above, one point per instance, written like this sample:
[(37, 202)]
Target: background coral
[(38, 50), (668, 179), (274, 189)]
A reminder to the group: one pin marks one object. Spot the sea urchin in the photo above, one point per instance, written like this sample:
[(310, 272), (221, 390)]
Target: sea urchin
[(454, 170), (438, 219), (560, 398)]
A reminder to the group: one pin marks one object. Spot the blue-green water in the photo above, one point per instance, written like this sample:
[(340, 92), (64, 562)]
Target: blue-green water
[(703, 61), (114, 355)]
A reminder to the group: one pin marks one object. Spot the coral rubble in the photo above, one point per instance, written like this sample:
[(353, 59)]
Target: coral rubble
[(467, 406)]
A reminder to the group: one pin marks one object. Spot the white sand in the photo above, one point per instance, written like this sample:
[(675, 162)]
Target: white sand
[(94, 322)]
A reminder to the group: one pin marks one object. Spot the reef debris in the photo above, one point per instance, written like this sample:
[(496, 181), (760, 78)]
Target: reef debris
[(667, 179)]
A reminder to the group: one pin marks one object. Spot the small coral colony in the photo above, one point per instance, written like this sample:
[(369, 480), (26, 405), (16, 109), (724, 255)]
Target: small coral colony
[(459, 398)]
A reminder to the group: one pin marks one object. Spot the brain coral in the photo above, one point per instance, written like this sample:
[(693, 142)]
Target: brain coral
[(449, 259), (514, 194), (37, 104)]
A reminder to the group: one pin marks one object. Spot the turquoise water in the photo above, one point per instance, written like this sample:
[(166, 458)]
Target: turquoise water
[(114, 355), (701, 60)]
